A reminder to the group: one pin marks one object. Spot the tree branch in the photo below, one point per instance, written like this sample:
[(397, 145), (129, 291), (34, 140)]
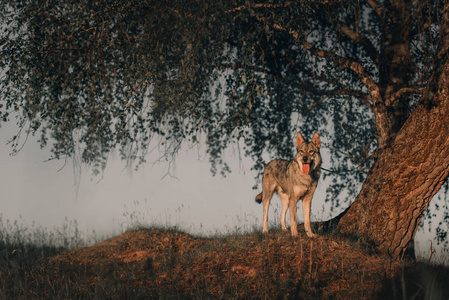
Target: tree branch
[(306, 110), (342, 89), (345, 63), (417, 15), (259, 5), (402, 92), (235, 66), (329, 93), (377, 7), (352, 158), (361, 39)]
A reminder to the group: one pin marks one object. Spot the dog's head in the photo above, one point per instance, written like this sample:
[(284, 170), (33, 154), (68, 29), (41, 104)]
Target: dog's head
[(308, 156)]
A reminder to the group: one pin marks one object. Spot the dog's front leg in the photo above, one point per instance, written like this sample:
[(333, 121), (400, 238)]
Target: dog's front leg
[(293, 223), (306, 204)]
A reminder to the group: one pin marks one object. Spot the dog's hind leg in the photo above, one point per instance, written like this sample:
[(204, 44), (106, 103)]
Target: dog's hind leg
[(266, 198)]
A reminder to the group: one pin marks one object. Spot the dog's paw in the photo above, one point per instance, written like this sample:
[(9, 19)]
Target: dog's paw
[(311, 235)]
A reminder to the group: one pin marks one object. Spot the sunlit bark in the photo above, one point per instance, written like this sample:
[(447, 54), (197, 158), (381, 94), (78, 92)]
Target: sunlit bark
[(409, 171)]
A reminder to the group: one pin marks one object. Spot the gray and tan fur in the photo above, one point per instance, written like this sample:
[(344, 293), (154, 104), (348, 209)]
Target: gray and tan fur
[(293, 180)]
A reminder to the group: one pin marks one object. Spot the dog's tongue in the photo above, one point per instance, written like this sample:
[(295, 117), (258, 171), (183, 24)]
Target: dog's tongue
[(306, 168)]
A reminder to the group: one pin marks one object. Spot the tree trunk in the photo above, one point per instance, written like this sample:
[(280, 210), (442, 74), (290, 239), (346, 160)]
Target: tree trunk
[(394, 71), (409, 171)]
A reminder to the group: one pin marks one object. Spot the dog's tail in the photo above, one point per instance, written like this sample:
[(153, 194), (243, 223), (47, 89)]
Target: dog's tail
[(259, 198)]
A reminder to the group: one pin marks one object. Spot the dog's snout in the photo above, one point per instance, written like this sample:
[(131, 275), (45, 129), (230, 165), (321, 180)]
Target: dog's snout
[(305, 158)]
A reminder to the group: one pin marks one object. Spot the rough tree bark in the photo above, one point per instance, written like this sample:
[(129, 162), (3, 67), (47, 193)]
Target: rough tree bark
[(410, 170)]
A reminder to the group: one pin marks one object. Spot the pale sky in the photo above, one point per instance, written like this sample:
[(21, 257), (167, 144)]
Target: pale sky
[(39, 191), (34, 191)]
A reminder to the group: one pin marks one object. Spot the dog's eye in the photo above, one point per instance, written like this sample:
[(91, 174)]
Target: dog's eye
[(311, 152)]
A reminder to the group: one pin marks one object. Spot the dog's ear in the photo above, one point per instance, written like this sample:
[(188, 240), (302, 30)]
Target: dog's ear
[(299, 139), (316, 140)]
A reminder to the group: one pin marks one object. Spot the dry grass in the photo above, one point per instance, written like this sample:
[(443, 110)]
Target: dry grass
[(162, 263), (166, 263)]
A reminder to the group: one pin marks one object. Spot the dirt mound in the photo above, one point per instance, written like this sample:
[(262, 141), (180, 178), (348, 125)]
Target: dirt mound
[(165, 263)]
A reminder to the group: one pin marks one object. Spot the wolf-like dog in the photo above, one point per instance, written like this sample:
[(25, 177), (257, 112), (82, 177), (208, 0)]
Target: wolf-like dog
[(293, 180)]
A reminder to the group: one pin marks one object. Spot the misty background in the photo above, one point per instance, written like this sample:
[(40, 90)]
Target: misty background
[(46, 194)]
